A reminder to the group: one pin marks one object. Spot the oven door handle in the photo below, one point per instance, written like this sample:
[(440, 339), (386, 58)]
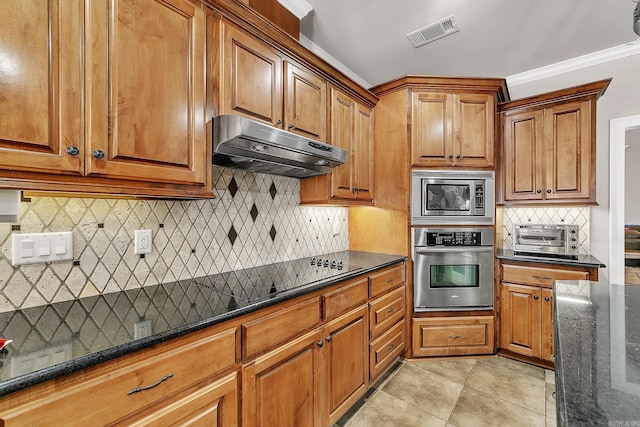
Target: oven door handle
[(420, 250)]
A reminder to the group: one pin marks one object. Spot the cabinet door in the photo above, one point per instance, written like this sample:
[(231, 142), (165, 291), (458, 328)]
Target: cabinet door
[(520, 318), (251, 77), (213, 405), (523, 156), (474, 130), (142, 128), (279, 388), (305, 98), (568, 151), (363, 154), (345, 362), (343, 117), (431, 129), (41, 86), (547, 324)]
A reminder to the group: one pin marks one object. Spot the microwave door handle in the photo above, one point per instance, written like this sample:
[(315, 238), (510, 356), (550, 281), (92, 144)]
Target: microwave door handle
[(455, 249)]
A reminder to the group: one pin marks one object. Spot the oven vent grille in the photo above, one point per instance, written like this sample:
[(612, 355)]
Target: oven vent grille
[(433, 32)]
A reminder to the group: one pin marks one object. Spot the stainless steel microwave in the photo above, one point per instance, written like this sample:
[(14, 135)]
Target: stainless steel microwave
[(452, 197)]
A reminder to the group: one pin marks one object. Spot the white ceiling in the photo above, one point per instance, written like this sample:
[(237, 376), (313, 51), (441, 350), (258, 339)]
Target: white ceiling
[(497, 38)]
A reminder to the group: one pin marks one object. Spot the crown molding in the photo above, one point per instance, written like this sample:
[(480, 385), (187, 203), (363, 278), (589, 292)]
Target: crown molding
[(306, 42), (300, 8), (573, 64)]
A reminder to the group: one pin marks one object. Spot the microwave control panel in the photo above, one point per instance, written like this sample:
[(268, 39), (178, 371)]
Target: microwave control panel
[(479, 195), (454, 238)]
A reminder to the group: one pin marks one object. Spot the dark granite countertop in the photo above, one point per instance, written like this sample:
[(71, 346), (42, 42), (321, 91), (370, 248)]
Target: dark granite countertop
[(56, 339), (597, 353), (582, 260)]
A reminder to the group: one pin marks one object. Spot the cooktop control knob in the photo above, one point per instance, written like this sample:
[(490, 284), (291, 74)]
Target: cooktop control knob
[(313, 261), (333, 264), (325, 263), (340, 266)]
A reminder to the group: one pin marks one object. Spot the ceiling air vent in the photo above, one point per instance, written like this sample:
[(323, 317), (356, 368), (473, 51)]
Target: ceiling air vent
[(433, 32)]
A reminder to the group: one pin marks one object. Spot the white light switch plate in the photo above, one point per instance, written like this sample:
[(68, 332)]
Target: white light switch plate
[(32, 248)]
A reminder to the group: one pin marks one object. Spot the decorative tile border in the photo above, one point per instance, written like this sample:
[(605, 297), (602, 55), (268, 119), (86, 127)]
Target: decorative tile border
[(255, 220)]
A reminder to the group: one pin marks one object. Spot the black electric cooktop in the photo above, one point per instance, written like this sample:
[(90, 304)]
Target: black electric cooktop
[(258, 283)]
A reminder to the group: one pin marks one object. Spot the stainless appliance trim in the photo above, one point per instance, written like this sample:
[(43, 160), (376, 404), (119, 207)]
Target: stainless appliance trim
[(422, 216), (550, 239), (452, 298), (241, 143)]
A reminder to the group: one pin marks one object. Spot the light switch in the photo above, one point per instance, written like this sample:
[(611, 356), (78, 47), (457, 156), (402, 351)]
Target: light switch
[(44, 248), (31, 248), (27, 248)]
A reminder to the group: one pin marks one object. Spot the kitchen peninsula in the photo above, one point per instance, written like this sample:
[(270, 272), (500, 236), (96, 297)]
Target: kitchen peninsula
[(597, 353)]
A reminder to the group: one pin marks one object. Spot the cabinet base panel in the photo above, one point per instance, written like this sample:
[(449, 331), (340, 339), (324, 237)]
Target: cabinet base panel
[(531, 360)]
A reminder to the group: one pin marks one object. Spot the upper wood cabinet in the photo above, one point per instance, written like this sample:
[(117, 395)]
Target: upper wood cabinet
[(351, 128), (548, 147), (452, 129), (260, 83), (83, 102)]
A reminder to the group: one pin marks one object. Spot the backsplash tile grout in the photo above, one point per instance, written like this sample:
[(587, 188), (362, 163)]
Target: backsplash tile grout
[(190, 238)]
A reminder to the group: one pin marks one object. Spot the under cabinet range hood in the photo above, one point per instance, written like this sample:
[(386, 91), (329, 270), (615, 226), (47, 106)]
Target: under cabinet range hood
[(242, 143)]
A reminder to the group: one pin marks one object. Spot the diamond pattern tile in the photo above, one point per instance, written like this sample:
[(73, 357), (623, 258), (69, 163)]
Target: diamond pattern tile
[(268, 229)]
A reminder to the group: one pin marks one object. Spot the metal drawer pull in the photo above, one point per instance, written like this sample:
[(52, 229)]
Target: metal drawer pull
[(390, 310), (536, 297), (541, 277), (389, 280), (546, 298), (390, 347), (139, 389), (455, 337)]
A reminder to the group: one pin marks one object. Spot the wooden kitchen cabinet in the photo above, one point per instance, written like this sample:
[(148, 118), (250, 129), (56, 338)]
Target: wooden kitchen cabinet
[(351, 128), (259, 82), (452, 129), (179, 373), (526, 307), (113, 128), (548, 147), (449, 336)]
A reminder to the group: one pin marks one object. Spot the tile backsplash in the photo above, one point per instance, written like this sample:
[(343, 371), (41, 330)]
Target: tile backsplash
[(255, 220), (560, 215)]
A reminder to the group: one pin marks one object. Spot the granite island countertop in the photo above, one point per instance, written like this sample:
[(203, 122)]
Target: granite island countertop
[(597, 353), (582, 260), (57, 339)]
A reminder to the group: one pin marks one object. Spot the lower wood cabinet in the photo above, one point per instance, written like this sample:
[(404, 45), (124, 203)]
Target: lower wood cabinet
[(171, 377), (449, 336), (526, 308)]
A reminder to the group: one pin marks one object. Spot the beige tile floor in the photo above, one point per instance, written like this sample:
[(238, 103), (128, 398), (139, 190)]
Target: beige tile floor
[(493, 391)]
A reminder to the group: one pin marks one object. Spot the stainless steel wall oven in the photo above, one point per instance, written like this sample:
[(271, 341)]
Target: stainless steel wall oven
[(453, 269)]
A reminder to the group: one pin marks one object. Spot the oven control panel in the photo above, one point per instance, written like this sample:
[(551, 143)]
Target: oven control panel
[(454, 238)]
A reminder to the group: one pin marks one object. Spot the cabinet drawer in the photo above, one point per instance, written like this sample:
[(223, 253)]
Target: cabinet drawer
[(386, 311), (260, 334), (344, 298), (444, 336), (388, 279), (120, 388), (539, 276), (385, 349)]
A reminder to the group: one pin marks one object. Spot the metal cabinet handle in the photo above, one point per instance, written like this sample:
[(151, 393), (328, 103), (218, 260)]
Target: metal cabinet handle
[(139, 389), (72, 150), (538, 191), (390, 347), (458, 156), (390, 310), (279, 122), (98, 154), (390, 280), (541, 277), (292, 126), (546, 298), (549, 191), (328, 338), (320, 343), (451, 156), (536, 297), (454, 337)]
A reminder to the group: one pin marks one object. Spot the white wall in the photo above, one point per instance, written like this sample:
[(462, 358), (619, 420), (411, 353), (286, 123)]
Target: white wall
[(632, 177), (621, 99)]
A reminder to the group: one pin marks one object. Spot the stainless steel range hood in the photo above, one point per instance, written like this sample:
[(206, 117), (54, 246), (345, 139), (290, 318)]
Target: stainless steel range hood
[(246, 144)]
